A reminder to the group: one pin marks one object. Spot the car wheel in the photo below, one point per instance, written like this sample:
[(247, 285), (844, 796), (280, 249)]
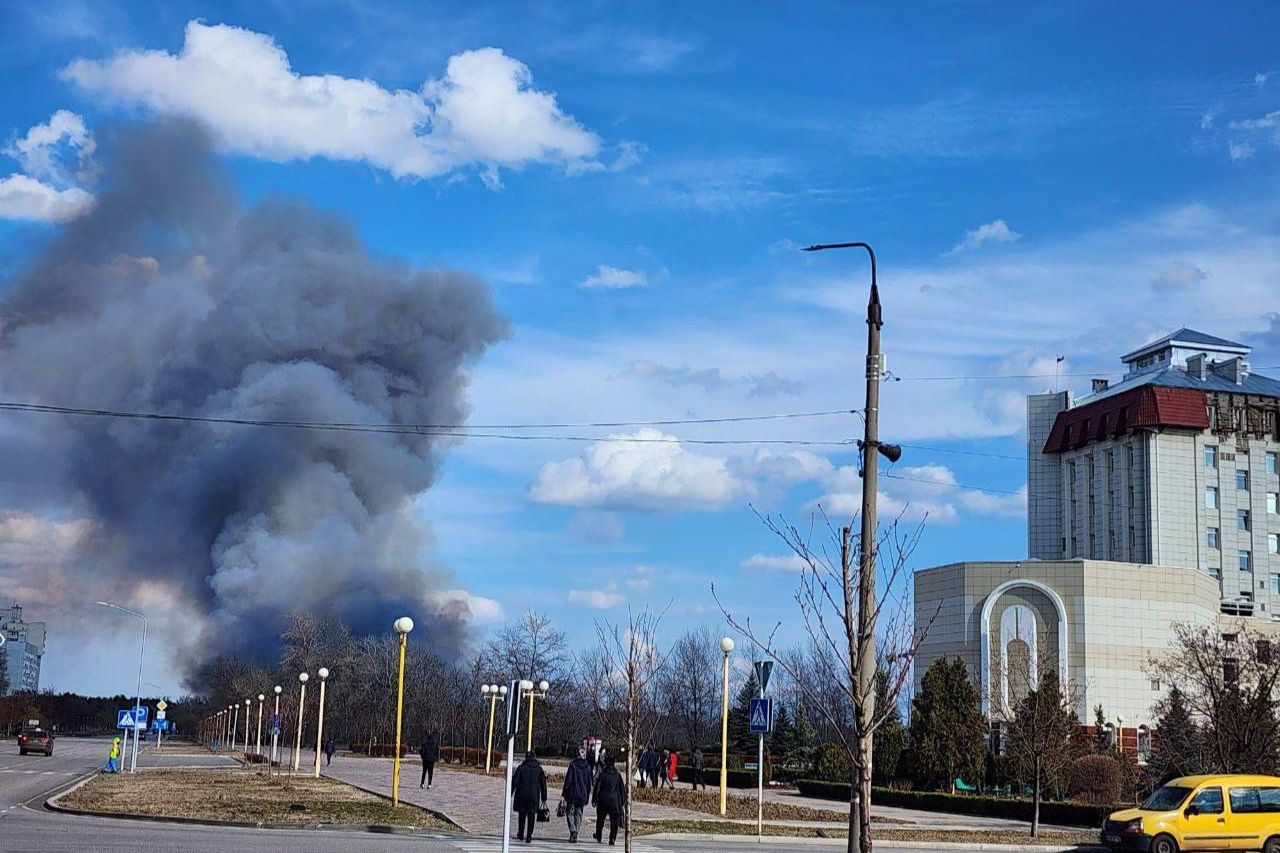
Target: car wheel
[(1164, 844), (1272, 845)]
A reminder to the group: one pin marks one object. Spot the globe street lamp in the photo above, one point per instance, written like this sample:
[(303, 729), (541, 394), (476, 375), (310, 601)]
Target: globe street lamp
[(494, 694), (258, 742), (531, 694), (324, 676), (275, 727), (726, 646), (133, 764), (402, 626), (302, 699)]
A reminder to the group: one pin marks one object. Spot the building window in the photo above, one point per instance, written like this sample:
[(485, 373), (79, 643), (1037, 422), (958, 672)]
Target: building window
[(1246, 560), (1275, 584), (1214, 572), (1273, 543), (1242, 481), (1133, 501), (1211, 540), (1273, 502), (1273, 462), (1071, 473), (1133, 541), (1211, 497), (1211, 456), (1242, 519)]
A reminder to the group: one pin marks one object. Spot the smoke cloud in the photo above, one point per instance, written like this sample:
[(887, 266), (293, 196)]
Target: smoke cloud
[(170, 295)]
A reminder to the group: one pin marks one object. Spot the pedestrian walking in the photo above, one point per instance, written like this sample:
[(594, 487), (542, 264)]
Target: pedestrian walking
[(697, 763), (673, 760), (113, 757), (429, 752), (528, 795), (655, 762), (576, 793), (610, 797), (329, 750)]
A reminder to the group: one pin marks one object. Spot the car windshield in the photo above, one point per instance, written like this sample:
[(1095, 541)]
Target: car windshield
[(1168, 797)]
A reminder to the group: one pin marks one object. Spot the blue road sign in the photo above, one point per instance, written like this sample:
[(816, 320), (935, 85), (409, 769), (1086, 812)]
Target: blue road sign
[(140, 715), (159, 725), (761, 716), (124, 719)]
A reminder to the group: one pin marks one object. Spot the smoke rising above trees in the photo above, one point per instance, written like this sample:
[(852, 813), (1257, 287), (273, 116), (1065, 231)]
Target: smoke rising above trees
[(171, 295)]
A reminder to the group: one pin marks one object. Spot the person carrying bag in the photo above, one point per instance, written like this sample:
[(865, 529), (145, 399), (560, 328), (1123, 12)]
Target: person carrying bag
[(575, 794), (529, 796)]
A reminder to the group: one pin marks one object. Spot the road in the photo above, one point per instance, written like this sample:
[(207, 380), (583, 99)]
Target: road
[(26, 827)]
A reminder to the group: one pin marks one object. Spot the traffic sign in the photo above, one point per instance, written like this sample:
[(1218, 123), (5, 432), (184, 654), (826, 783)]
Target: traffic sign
[(124, 719), (513, 707), (140, 715), (159, 725), (160, 706), (160, 714), (764, 668), (761, 716)]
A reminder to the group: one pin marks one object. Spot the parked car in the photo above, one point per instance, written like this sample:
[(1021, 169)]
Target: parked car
[(1221, 812), (35, 740)]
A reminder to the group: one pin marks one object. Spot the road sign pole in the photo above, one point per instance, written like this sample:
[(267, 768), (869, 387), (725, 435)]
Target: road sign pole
[(506, 797)]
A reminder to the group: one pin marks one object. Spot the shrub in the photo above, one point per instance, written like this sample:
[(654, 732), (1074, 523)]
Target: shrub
[(711, 776), (379, 750), (1096, 779), (462, 755), (1067, 814), (833, 764)]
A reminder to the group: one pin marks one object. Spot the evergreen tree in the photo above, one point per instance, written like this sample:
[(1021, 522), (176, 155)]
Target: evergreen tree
[(1101, 740), (890, 737), (1175, 749), (947, 736), (782, 742), (806, 738), (741, 740)]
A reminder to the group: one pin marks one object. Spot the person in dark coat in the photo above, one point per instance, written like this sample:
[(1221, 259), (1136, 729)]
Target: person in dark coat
[(528, 794), (329, 750), (576, 793), (429, 753), (697, 763), (610, 797), (654, 759)]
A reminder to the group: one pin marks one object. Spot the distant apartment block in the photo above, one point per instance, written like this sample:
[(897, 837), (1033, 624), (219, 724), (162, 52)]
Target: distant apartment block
[(23, 648)]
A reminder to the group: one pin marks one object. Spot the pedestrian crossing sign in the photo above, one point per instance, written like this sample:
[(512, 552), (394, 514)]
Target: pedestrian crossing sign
[(761, 716)]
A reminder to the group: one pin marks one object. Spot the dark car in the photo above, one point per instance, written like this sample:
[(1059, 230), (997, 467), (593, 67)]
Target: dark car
[(35, 740)]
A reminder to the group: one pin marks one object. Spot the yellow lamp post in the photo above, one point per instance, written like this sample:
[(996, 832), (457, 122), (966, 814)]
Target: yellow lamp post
[(726, 646), (540, 692), (302, 701), (324, 676), (403, 626), (495, 693), (258, 740)]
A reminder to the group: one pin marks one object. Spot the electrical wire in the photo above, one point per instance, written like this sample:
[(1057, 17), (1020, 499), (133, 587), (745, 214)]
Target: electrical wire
[(892, 476), (1022, 458), (994, 376)]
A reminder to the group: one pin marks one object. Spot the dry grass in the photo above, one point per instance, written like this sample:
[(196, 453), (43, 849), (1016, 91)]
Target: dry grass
[(177, 748), (243, 797), (739, 807), (651, 827)]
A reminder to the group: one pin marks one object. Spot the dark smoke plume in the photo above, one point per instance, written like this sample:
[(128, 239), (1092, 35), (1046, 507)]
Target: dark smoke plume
[(171, 296)]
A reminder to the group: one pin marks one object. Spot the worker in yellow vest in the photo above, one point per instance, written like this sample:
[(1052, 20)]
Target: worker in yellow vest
[(113, 757)]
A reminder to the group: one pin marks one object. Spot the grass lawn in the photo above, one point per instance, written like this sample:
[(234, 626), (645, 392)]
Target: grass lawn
[(739, 807), (243, 796), (651, 827)]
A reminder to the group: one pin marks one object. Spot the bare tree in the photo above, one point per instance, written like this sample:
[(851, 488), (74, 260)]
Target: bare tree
[(827, 595), (530, 648), (622, 677), (690, 685)]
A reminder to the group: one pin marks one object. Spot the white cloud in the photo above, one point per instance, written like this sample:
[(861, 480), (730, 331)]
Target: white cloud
[(596, 599), (651, 472), (641, 579), (484, 111), (1239, 150), (763, 563), (38, 151), (913, 493), (1179, 275), (1260, 79), (995, 231), (614, 278), (24, 197), (1270, 121), (600, 528), (459, 603), (1206, 121)]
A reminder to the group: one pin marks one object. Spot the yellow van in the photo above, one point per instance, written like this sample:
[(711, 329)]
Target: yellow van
[(1223, 812)]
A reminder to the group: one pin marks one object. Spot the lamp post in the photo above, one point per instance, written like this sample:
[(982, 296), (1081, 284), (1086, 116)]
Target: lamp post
[(1120, 735), (531, 694), (324, 675), (494, 692), (235, 725), (862, 643), (726, 646), (258, 741), (248, 703), (133, 764), (275, 727), (302, 700), (403, 626)]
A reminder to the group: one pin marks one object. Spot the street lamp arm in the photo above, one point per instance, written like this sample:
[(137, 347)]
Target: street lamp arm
[(873, 304), (122, 609)]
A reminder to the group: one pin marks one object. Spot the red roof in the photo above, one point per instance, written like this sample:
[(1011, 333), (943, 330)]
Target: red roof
[(1147, 406)]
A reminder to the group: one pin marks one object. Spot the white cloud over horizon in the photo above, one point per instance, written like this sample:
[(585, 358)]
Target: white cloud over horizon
[(995, 231), (615, 278), (24, 198), (484, 112), (596, 599), (766, 563), (53, 156)]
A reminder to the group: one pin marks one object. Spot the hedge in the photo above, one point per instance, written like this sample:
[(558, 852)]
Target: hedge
[(382, 750), (462, 755), (1067, 814), (711, 777)]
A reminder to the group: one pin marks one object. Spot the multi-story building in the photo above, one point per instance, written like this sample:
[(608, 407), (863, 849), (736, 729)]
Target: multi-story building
[(23, 649), (1151, 501)]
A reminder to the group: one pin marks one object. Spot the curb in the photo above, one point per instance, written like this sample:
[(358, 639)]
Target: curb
[(437, 814), (53, 804), (841, 842)]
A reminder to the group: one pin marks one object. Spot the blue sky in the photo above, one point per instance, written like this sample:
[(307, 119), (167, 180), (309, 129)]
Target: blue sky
[(1039, 180)]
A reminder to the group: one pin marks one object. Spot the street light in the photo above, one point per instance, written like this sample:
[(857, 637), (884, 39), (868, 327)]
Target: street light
[(302, 699), (402, 626), (247, 704), (324, 675), (726, 646), (133, 765), (275, 728), (257, 749), (531, 694), (495, 693)]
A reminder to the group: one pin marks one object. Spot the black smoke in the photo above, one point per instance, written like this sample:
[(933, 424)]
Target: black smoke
[(172, 296)]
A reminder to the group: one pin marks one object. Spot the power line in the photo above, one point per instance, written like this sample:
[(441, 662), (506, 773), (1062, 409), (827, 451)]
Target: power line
[(995, 376), (950, 485), (442, 430), (963, 452)]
